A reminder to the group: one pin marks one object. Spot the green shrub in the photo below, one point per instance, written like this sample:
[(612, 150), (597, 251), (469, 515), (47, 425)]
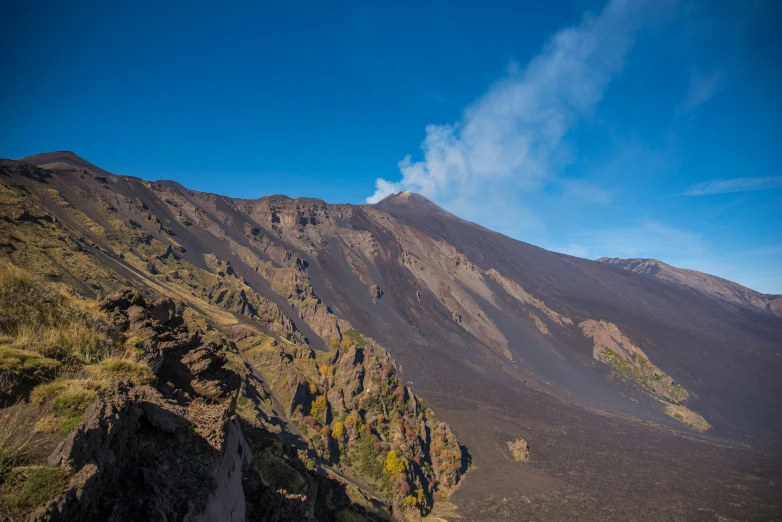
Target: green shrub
[(367, 461), (134, 343), (352, 337), (66, 357), (27, 363), (277, 474), (39, 484), (70, 424), (66, 395), (46, 392), (73, 400), (349, 516)]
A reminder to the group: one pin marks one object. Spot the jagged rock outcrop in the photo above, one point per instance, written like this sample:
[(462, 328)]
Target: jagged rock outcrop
[(140, 456), (227, 502), (167, 451), (175, 354)]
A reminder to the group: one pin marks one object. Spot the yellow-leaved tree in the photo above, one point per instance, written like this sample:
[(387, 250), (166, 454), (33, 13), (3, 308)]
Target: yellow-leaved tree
[(394, 465), (318, 406)]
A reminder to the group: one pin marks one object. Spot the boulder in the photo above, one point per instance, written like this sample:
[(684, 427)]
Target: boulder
[(163, 310), (125, 464)]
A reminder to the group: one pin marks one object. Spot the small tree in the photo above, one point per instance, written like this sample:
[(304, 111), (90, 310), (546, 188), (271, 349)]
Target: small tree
[(394, 465), (318, 406), (415, 501), (339, 430)]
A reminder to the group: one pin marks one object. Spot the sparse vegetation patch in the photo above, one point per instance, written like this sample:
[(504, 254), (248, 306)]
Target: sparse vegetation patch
[(114, 369), (36, 485), (616, 350), (519, 449)]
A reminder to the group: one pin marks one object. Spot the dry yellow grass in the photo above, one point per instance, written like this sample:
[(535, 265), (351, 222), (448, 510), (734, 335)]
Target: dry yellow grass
[(18, 366), (25, 299), (15, 439), (67, 394), (218, 315), (48, 424), (687, 416), (36, 312), (23, 361), (113, 369)]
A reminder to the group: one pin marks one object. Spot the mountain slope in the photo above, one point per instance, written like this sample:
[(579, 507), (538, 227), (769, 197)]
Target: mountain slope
[(706, 284), (589, 364), (339, 413)]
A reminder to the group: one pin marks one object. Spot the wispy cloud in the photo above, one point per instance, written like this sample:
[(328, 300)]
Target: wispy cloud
[(702, 88), (724, 186), (585, 191), (513, 135)]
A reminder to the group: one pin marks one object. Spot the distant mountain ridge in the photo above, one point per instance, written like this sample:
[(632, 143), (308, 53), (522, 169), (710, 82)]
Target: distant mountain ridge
[(704, 283)]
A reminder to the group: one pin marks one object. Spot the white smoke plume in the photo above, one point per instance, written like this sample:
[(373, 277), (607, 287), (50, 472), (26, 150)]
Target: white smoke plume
[(512, 138)]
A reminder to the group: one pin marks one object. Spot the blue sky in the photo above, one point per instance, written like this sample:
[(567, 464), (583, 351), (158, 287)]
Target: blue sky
[(644, 128)]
